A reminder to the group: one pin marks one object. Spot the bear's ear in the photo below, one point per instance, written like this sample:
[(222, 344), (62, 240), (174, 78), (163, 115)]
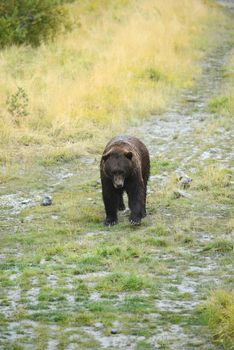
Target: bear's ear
[(105, 156), (128, 155)]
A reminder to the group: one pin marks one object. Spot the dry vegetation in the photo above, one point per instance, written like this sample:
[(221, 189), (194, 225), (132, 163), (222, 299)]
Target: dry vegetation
[(122, 60)]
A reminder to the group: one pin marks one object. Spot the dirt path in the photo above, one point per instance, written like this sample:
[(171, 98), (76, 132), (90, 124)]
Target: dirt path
[(65, 286)]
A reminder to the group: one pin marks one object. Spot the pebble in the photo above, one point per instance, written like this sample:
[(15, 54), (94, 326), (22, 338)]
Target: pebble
[(25, 201), (185, 181), (46, 200), (114, 331)]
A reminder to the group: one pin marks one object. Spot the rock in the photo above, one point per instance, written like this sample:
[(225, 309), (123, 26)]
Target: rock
[(179, 193), (46, 200), (98, 325), (25, 201), (114, 331), (184, 180)]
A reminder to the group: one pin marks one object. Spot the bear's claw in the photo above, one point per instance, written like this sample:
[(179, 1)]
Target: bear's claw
[(110, 222), (135, 222)]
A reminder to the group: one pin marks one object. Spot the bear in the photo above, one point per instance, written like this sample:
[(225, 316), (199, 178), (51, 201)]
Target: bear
[(124, 166)]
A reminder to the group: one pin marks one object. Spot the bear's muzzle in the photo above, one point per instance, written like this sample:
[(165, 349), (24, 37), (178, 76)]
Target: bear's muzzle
[(118, 181)]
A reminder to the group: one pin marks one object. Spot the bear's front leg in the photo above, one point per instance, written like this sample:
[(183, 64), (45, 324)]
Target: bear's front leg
[(111, 201), (136, 200), (121, 205)]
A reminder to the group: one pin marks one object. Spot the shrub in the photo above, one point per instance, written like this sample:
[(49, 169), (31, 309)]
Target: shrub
[(17, 105), (29, 21)]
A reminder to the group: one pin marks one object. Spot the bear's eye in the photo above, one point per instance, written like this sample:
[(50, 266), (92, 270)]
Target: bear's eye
[(117, 172)]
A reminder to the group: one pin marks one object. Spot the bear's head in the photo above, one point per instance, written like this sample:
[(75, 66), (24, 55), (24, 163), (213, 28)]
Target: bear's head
[(118, 166)]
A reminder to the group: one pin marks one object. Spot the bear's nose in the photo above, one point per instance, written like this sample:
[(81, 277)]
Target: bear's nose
[(119, 186)]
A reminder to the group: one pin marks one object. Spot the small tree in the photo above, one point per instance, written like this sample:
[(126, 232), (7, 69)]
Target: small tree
[(29, 21)]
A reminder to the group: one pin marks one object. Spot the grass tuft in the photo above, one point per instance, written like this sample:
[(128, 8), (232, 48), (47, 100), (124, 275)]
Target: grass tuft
[(218, 314), (221, 246), (119, 282)]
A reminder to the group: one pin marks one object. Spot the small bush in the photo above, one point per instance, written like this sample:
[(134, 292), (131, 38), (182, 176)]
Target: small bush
[(17, 105), (29, 21)]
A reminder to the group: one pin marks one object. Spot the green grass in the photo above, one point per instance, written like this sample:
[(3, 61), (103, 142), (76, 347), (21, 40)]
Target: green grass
[(218, 314), (158, 165), (119, 282), (221, 246)]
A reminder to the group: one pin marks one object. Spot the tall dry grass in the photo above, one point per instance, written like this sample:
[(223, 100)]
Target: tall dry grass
[(123, 60)]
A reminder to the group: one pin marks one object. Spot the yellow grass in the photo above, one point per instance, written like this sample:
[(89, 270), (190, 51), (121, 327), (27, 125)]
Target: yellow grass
[(123, 59)]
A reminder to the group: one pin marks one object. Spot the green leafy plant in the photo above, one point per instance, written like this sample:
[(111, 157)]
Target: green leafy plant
[(17, 105), (29, 21)]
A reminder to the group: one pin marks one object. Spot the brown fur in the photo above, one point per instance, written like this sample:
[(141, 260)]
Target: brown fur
[(125, 166)]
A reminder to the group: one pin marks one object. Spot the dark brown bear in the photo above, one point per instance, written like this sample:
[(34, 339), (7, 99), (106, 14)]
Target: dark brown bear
[(125, 166)]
